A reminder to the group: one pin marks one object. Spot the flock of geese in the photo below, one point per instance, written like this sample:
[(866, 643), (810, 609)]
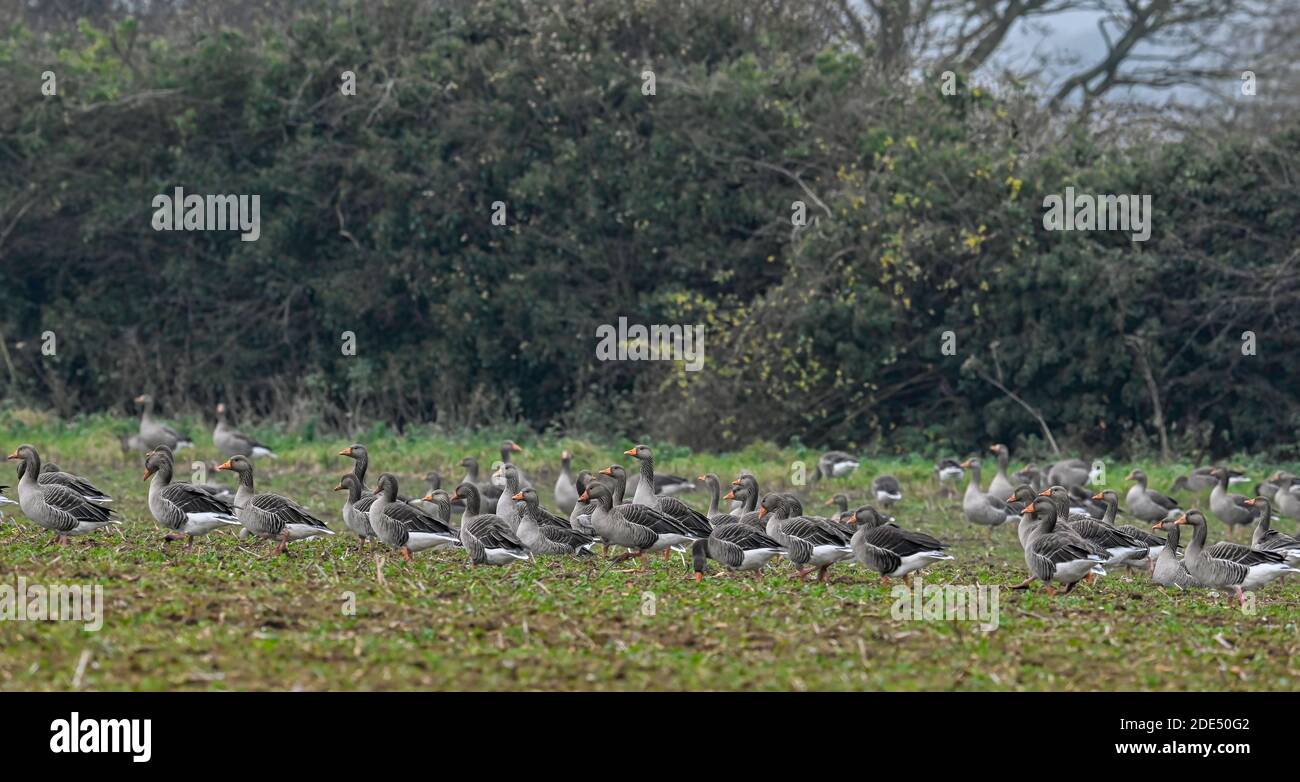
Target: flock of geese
[(1068, 532)]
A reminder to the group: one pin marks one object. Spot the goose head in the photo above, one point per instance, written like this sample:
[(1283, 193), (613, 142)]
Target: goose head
[(597, 492), (351, 485), (640, 452), (355, 451), (156, 460), (386, 487), (1108, 496), (240, 465), (1193, 518)]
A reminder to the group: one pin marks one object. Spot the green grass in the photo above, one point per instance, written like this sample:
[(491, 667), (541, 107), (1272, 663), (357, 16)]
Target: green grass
[(232, 616)]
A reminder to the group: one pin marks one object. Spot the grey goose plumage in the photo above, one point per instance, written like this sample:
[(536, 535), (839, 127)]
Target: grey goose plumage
[(402, 526), (56, 508), (1248, 571), (566, 492), (545, 534), (269, 515), (230, 441), (154, 433), (486, 537), (183, 509), (737, 547)]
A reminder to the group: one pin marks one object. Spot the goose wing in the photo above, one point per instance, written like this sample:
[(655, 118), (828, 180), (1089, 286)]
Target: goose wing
[(1163, 501), (1102, 534), (493, 532), (1051, 550), (691, 519), (901, 541), (286, 510), (78, 507), (1244, 555), (653, 520), (415, 519), (814, 532), (192, 499), (566, 535)]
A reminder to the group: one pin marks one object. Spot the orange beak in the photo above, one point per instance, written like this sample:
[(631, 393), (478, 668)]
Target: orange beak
[(340, 487), (1045, 493), (1158, 525), (515, 447), (584, 498), (607, 471), (699, 577), (736, 482), (1009, 499), (731, 495), (346, 451), (427, 498), (378, 491), (1029, 508), (762, 511), (1130, 477), (455, 495), (224, 466), (13, 455), (701, 478), (630, 452), (965, 463), (517, 496), (1250, 502), (147, 473), (1181, 519), (1099, 496), (829, 502)]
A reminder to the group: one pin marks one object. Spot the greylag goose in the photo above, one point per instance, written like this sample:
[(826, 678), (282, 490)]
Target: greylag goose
[(983, 509), (550, 538), (1120, 546), (1147, 504), (508, 449), (1197, 480), (580, 516), (1248, 573), (1154, 543), (691, 520), (811, 541), (56, 508), (715, 515), (268, 515), (487, 492), (1031, 475), (1169, 570), (887, 490), (566, 492), (486, 536), (1268, 539), (404, 527), (1231, 509), (155, 433), (745, 491), (835, 464), (1001, 485), (509, 474), (1070, 472), (51, 475), (1055, 556), (840, 502), (891, 551), (180, 508), (1286, 496), (738, 547), (440, 499), (638, 528), (230, 441), (948, 472), (356, 508)]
